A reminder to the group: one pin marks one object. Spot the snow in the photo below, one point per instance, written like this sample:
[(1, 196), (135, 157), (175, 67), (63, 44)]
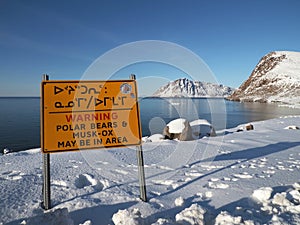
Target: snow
[(247, 177), (176, 126), (262, 194), (127, 217), (194, 215)]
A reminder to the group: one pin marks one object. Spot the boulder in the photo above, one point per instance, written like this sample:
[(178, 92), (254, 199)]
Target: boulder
[(202, 128), (178, 129)]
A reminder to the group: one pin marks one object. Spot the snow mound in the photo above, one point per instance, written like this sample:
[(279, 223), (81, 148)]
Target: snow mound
[(86, 180), (179, 201), (194, 215), (59, 216), (162, 221), (262, 194), (224, 218), (266, 206), (154, 138), (127, 217)]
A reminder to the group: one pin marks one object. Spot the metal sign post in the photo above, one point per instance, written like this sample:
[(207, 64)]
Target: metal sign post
[(46, 204), (142, 182), (140, 160)]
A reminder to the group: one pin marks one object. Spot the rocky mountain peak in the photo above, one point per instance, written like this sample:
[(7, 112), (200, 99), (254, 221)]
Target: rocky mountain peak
[(184, 87), (276, 78)]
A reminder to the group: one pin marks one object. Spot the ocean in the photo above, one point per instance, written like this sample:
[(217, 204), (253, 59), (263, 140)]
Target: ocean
[(20, 116)]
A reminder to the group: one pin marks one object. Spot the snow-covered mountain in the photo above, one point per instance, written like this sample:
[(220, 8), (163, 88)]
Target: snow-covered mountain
[(186, 88), (276, 78)]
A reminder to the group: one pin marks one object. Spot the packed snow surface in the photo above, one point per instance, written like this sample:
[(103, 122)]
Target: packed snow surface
[(247, 177)]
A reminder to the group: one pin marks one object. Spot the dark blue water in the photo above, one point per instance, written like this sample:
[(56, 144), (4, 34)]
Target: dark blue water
[(20, 117), (19, 123)]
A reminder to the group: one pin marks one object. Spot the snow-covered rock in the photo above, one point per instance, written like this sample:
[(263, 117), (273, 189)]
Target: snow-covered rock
[(182, 130), (186, 88), (276, 78), (178, 129), (202, 128), (6, 151)]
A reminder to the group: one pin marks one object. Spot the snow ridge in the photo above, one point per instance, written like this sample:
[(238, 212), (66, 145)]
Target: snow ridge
[(276, 78), (184, 87)]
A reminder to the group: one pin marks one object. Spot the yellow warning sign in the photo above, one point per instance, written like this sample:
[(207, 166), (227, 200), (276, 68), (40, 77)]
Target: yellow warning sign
[(79, 115)]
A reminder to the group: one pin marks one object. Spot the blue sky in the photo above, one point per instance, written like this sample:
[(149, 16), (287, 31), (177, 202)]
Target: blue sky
[(63, 38)]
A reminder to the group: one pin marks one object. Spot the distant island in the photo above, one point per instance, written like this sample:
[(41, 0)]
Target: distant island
[(185, 88)]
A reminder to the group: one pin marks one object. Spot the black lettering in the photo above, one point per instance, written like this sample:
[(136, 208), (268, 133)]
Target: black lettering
[(67, 144), (105, 99), (113, 101), (70, 104), (98, 141), (86, 89), (79, 101), (57, 90), (60, 144), (85, 142), (104, 133), (94, 90), (70, 89), (123, 97), (58, 105), (98, 101), (124, 139)]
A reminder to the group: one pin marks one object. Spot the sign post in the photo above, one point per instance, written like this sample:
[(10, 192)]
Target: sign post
[(79, 115), (140, 159), (46, 204)]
